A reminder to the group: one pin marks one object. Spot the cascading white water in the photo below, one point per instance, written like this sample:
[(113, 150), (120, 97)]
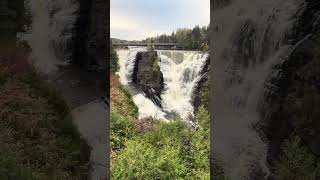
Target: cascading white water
[(51, 33), (250, 37), (127, 60), (181, 72), (63, 17)]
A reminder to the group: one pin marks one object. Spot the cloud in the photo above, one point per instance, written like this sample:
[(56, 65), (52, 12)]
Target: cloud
[(140, 19)]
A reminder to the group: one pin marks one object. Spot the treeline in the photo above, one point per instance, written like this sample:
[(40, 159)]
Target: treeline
[(187, 39)]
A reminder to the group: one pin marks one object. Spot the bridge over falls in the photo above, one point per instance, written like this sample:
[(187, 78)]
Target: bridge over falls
[(155, 45)]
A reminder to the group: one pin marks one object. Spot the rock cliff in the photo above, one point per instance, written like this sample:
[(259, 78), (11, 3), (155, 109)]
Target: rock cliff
[(91, 35), (293, 95), (201, 94), (148, 77)]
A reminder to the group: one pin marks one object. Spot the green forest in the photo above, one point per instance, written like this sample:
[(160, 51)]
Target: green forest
[(196, 38)]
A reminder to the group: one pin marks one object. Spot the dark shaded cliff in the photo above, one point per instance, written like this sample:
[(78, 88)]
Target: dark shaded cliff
[(91, 35), (201, 95), (91, 45), (13, 19), (292, 100)]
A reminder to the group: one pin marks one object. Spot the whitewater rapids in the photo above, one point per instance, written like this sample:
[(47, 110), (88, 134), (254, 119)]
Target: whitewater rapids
[(181, 72)]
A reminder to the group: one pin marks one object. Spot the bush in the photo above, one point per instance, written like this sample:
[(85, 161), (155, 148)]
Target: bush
[(122, 130), (34, 137), (203, 118), (114, 65), (296, 162), (121, 100), (142, 160), (168, 151)]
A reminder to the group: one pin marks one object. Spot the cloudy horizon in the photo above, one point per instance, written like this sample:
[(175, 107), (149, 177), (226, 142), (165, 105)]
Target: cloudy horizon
[(139, 19)]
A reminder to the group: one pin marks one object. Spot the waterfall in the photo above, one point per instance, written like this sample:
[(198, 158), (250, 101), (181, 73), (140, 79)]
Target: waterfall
[(181, 72), (127, 60), (51, 34), (250, 38)]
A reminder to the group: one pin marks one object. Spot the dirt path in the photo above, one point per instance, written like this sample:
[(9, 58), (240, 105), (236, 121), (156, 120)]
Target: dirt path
[(91, 120), (83, 92)]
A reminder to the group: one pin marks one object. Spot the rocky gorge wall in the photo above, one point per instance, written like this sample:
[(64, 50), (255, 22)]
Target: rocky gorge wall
[(201, 94), (92, 34), (12, 19), (292, 100)]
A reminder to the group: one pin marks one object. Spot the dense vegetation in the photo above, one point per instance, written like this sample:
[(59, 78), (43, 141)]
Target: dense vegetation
[(149, 148), (296, 162), (187, 39), (114, 66), (298, 158), (37, 138)]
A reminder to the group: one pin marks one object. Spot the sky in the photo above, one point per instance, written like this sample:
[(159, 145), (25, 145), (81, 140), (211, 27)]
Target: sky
[(139, 19)]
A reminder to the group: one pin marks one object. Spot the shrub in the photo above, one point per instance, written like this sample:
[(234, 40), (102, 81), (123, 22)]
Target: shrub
[(121, 100), (203, 118), (142, 160), (296, 162), (35, 140), (168, 151), (114, 66), (122, 130)]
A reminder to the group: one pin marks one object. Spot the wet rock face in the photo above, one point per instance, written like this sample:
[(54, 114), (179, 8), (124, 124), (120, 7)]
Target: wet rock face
[(148, 78), (293, 102), (11, 13), (293, 92), (202, 86), (91, 40)]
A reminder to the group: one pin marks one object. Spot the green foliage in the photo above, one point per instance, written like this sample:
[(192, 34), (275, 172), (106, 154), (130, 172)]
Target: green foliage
[(203, 118), (142, 160), (128, 104), (305, 111), (168, 151), (153, 57), (187, 39), (296, 162), (9, 168), (34, 129), (205, 94), (121, 130), (114, 65)]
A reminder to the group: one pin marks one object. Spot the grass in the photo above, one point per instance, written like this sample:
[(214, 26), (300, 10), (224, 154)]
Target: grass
[(37, 138), (121, 100)]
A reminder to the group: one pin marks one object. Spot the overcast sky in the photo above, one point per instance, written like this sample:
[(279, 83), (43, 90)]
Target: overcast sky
[(139, 19)]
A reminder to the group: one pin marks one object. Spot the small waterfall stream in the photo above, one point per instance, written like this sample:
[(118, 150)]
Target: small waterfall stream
[(51, 34), (254, 38), (51, 40), (181, 72)]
